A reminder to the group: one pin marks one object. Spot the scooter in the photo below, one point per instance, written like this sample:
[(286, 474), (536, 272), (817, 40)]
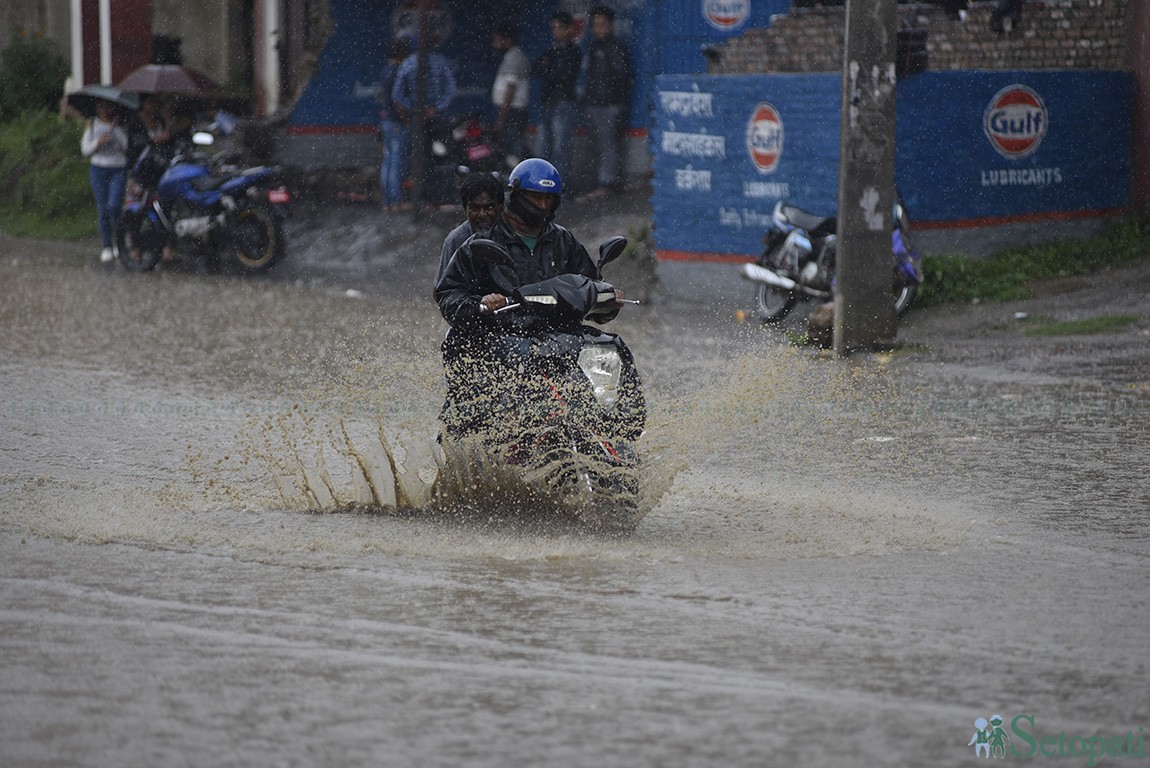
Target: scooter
[(798, 262), (562, 401), (197, 205)]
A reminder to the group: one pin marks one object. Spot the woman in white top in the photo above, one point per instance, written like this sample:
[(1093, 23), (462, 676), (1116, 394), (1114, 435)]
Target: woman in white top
[(105, 142)]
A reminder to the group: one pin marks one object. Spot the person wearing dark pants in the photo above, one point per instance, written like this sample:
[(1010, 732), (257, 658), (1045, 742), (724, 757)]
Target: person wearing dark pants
[(607, 98), (558, 71)]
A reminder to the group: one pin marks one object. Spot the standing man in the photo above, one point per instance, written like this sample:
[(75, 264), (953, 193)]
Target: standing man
[(393, 130), (607, 98), (558, 69), (440, 85), (510, 91), (439, 95)]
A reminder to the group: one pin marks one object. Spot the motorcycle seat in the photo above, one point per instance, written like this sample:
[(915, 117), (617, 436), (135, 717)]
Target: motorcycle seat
[(809, 221), (208, 183)]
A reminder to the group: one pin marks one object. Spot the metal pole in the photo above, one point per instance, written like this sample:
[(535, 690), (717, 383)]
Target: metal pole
[(864, 305)]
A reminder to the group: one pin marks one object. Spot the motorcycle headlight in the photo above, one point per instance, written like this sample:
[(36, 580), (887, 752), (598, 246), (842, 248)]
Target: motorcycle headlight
[(604, 368)]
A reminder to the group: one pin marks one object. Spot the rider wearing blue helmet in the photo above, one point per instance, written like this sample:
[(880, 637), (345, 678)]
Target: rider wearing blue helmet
[(472, 288)]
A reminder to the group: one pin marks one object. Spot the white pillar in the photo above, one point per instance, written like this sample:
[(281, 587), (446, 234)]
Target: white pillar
[(271, 35), (106, 42), (77, 44)]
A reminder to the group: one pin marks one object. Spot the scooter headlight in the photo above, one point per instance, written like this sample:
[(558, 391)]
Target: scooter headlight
[(603, 367)]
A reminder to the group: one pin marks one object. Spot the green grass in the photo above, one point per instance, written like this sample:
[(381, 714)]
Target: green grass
[(1087, 325), (1004, 276)]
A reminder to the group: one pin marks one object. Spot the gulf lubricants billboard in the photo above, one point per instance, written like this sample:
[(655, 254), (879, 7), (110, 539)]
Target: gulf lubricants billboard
[(971, 149), (1012, 145)]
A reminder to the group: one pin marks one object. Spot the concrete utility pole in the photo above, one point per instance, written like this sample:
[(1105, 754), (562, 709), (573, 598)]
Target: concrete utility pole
[(864, 305)]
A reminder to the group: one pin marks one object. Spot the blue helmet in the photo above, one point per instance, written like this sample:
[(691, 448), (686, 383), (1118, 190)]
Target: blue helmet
[(535, 175)]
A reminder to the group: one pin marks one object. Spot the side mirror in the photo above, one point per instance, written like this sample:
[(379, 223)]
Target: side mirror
[(489, 251), (203, 139), (611, 249)]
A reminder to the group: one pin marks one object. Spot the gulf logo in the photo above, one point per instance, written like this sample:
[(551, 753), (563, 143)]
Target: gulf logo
[(765, 138), (726, 14), (1015, 121)]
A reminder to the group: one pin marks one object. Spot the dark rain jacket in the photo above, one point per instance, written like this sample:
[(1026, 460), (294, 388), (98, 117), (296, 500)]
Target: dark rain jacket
[(467, 279), (608, 73), (558, 71)]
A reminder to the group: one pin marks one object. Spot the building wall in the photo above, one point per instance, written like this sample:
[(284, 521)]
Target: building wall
[(216, 38), (1054, 34)]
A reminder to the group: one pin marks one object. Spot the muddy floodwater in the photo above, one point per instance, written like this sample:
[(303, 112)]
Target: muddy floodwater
[(845, 563)]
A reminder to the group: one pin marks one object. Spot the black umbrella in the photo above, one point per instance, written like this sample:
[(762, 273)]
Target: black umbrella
[(85, 99)]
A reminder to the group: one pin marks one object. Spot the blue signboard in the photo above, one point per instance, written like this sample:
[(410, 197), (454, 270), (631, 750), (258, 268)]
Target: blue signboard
[(342, 91), (727, 148), (971, 148)]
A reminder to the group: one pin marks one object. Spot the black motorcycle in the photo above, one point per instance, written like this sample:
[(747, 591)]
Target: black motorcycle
[(798, 262), (560, 401)]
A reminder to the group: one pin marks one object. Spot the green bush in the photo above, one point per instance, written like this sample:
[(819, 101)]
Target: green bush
[(32, 77), (46, 191)]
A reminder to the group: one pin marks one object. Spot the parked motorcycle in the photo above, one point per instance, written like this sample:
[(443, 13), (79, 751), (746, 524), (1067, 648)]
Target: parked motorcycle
[(798, 263), (203, 206), (562, 402)]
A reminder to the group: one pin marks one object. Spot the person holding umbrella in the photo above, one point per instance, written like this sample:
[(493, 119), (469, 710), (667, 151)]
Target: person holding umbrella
[(105, 144)]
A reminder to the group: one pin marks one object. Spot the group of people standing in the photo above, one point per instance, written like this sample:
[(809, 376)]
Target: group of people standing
[(603, 75), (114, 138)]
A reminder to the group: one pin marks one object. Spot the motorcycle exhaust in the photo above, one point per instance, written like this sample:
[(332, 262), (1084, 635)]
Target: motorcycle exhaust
[(757, 274)]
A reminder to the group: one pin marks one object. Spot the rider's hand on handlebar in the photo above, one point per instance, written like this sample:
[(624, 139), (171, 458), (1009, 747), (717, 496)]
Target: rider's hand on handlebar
[(492, 302)]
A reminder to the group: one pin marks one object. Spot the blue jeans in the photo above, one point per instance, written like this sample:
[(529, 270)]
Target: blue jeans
[(606, 137), (396, 153), (553, 141), (108, 189)]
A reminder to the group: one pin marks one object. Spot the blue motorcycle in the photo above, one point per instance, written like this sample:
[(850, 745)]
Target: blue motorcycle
[(798, 263), (198, 205)]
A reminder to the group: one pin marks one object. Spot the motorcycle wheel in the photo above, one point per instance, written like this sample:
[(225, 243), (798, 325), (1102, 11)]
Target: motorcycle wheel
[(903, 298), (257, 239), (139, 241), (773, 304)]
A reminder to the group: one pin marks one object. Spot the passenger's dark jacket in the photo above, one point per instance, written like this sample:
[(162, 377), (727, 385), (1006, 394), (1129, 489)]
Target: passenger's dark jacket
[(608, 73), (467, 279)]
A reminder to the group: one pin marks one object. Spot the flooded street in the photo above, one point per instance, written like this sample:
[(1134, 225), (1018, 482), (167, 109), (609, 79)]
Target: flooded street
[(852, 560)]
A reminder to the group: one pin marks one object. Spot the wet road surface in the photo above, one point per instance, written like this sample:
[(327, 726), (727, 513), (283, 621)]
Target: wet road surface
[(854, 559)]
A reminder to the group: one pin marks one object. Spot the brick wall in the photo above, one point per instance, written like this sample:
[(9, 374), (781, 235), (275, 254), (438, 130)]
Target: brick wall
[(1053, 34)]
